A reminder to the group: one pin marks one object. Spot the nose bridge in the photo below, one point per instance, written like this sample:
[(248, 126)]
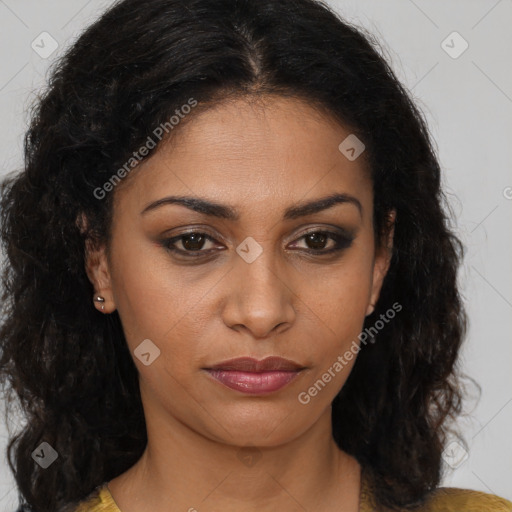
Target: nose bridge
[(260, 298)]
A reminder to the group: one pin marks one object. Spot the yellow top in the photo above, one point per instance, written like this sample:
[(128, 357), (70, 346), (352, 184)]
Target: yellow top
[(444, 499)]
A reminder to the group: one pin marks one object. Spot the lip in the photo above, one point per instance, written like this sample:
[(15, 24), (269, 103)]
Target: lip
[(254, 383), (251, 376), (249, 364)]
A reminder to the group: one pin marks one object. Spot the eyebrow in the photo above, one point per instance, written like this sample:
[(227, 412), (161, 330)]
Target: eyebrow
[(227, 212)]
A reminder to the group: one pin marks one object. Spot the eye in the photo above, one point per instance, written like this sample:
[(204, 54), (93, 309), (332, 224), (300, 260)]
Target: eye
[(193, 243), (316, 241)]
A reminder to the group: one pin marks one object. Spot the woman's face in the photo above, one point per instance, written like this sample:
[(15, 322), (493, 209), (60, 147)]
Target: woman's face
[(263, 280)]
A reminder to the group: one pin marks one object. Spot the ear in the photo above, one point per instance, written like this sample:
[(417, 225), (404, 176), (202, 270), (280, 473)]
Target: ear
[(97, 269), (381, 263)]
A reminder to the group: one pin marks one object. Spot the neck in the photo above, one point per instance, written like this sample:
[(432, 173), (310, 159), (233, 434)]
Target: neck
[(184, 470)]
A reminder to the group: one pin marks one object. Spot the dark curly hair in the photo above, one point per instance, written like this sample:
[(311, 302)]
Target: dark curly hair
[(69, 366)]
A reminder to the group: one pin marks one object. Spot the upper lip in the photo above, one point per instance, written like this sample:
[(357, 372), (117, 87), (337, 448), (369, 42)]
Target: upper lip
[(248, 364)]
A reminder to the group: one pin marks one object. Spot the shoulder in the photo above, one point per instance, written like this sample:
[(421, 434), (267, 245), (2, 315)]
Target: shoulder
[(451, 499), (99, 500), (442, 499)]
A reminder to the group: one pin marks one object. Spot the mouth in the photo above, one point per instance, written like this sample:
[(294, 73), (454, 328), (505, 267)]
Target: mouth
[(251, 376), (249, 364)]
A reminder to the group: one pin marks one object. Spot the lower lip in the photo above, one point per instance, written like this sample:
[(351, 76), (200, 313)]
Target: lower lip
[(254, 383)]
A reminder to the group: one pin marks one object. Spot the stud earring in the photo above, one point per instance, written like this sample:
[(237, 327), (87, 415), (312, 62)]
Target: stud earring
[(99, 298)]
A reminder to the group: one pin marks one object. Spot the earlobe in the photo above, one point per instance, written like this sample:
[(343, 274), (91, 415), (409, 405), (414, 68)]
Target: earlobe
[(97, 269), (370, 309)]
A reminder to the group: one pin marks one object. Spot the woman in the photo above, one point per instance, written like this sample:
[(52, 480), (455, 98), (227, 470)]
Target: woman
[(230, 281)]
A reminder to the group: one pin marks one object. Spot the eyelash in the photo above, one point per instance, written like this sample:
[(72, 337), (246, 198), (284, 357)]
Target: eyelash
[(342, 242)]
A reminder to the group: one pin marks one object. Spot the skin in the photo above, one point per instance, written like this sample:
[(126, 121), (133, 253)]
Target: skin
[(259, 157)]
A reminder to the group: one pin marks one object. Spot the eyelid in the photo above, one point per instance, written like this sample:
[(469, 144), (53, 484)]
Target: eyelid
[(348, 233), (214, 237), (342, 238), (200, 229)]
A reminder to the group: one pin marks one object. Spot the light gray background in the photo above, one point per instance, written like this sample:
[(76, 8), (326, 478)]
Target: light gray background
[(468, 105)]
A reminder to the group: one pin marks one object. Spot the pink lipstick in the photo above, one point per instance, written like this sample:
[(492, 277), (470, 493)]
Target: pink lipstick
[(251, 376)]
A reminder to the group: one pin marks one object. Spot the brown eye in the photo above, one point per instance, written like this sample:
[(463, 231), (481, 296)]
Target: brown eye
[(193, 242), (316, 242)]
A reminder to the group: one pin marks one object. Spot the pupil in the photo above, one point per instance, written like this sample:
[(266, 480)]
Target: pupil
[(317, 239), (190, 240)]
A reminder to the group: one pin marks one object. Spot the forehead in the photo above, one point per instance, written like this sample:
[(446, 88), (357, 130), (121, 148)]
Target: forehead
[(252, 152)]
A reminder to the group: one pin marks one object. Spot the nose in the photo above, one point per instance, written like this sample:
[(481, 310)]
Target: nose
[(259, 297)]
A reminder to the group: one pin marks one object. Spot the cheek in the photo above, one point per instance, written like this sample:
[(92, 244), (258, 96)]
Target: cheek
[(340, 312), (159, 301), (146, 293), (340, 307), (343, 299)]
